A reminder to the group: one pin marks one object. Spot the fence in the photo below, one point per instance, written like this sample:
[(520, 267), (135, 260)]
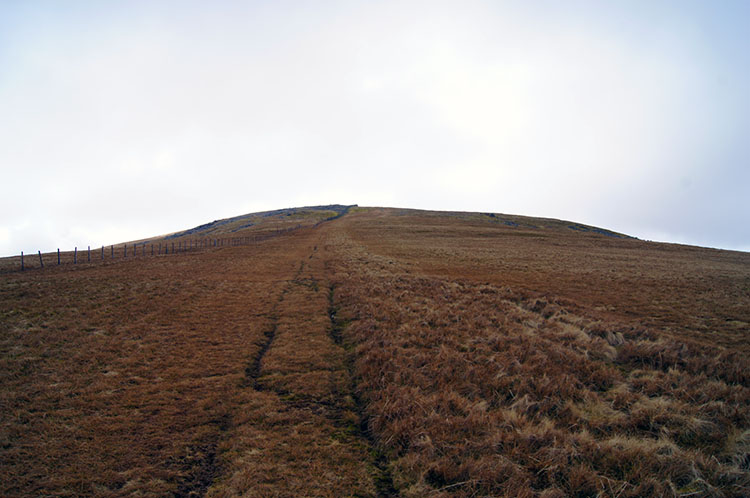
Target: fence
[(141, 249)]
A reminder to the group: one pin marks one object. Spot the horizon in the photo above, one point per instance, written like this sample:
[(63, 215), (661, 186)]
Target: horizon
[(449, 211), (120, 122)]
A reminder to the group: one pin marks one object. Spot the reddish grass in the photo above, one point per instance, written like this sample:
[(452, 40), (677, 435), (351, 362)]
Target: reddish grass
[(388, 352), (549, 378), (119, 378)]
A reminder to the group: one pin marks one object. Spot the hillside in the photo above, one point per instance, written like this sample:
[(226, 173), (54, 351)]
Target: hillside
[(349, 351)]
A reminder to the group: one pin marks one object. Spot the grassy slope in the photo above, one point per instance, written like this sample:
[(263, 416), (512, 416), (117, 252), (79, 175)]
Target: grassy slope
[(457, 354), (518, 362), (122, 378)]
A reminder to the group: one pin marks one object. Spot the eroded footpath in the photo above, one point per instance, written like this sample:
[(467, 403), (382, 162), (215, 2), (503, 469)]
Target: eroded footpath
[(297, 433)]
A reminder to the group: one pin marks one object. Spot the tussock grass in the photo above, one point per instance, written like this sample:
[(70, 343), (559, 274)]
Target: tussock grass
[(477, 388)]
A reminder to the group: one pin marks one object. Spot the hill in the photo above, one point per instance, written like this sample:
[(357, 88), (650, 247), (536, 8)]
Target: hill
[(348, 351)]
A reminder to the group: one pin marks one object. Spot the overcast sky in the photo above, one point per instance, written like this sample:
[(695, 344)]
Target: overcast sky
[(123, 120)]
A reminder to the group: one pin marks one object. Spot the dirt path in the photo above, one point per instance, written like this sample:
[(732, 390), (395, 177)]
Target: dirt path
[(299, 430)]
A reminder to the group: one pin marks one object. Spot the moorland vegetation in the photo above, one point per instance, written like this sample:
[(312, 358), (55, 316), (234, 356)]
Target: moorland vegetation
[(381, 352)]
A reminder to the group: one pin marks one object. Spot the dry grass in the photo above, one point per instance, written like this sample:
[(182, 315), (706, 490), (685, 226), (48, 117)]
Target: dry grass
[(477, 387), (299, 436), (384, 353), (118, 379), (248, 229)]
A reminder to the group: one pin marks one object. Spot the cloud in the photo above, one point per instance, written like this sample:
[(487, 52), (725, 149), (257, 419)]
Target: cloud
[(120, 123)]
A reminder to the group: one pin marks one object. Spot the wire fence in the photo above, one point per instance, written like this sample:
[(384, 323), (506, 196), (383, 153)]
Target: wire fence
[(162, 247)]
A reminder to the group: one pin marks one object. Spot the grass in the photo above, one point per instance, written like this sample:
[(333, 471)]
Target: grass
[(384, 353), (117, 378), (477, 387)]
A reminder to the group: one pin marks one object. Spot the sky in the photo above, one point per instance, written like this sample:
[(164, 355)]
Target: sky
[(124, 120)]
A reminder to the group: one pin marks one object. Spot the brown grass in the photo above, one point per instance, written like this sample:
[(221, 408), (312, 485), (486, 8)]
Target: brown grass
[(299, 434), (481, 383), (384, 353), (119, 379)]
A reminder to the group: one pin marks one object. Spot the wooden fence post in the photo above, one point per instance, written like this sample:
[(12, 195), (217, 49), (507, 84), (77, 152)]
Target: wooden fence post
[(75, 256), (58, 255), (102, 253), (22, 261), (125, 250), (41, 263), (89, 254), (112, 251)]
